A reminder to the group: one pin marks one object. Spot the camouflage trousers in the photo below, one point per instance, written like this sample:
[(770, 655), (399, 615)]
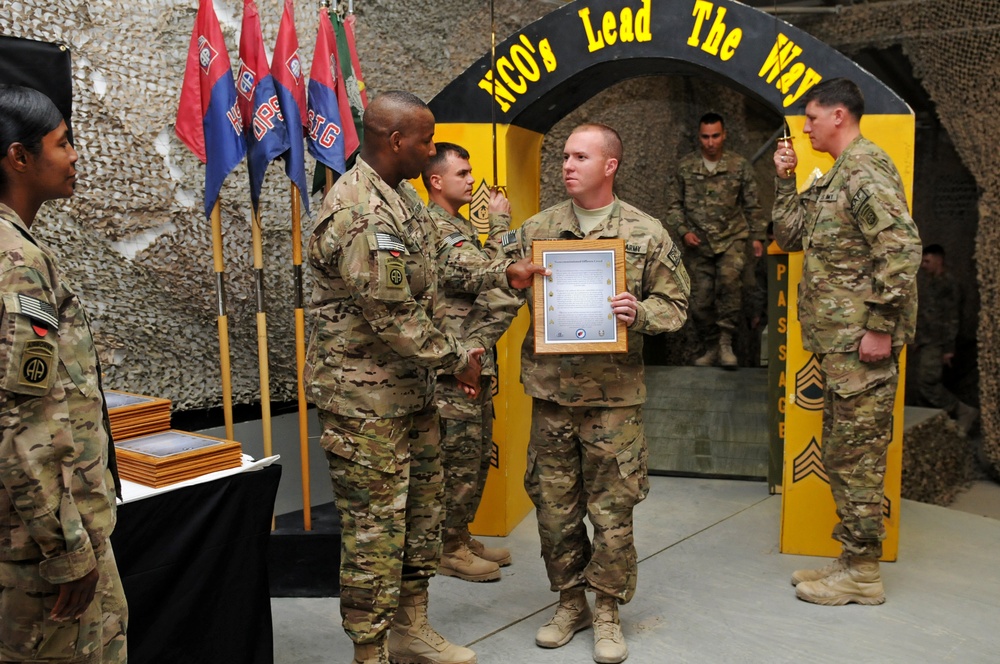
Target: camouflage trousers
[(27, 634), (387, 481), (466, 451), (587, 462), (858, 398), (716, 302), (929, 361)]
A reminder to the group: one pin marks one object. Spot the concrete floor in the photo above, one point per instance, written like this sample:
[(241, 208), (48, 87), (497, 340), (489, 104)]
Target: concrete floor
[(714, 588)]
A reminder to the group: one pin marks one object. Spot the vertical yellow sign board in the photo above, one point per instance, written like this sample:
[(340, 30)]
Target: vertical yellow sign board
[(808, 514)]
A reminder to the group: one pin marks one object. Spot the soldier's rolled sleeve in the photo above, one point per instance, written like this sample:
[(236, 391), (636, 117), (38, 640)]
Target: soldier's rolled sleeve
[(788, 215), (469, 271), (664, 309), (402, 324), (35, 460), (882, 216), (38, 457), (752, 209), (674, 219)]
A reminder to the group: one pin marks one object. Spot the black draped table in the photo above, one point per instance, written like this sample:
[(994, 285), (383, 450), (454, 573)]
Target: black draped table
[(194, 565)]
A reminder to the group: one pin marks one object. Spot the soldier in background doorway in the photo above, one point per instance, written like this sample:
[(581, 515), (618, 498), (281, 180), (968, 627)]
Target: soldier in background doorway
[(713, 209), (937, 329)]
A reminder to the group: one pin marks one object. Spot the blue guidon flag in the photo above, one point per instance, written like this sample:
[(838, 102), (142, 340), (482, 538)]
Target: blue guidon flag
[(208, 117), (263, 123), (290, 86)]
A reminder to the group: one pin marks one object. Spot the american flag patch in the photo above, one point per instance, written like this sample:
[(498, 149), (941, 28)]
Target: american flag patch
[(40, 310), (455, 239), (389, 242), (508, 238)]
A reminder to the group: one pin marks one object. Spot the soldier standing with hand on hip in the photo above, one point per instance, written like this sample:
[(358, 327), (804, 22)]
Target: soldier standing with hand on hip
[(857, 307)]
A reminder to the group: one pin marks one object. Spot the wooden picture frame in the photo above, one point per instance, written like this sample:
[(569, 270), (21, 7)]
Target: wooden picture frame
[(571, 308)]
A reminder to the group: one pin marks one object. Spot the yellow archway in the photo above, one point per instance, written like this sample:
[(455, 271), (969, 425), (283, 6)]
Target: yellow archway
[(550, 67)]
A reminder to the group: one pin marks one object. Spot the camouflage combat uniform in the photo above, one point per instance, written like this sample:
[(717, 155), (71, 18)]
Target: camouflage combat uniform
[(371, 363), (587, 450), (722, 209), (466, 424), (58, 497), (937, 330), (861, 255)]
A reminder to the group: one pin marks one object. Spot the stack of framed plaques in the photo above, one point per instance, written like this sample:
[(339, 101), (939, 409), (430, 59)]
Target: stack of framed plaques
[(136, 414), (171, 456)]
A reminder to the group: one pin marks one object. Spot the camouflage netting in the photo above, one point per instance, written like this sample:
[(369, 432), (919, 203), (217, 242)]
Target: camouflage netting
[(135, 242), (938, 461)]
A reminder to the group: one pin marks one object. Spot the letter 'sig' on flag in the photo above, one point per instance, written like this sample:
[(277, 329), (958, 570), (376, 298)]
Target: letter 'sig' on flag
[(331, 140), (291, 89), (208, 117), (263, 124)]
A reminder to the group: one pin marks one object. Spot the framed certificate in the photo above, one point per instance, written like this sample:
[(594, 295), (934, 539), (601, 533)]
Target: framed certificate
[(572, 306)]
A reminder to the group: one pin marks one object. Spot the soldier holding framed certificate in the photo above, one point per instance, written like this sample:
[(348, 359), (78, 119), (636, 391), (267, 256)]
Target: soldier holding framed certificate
[(587, 450)]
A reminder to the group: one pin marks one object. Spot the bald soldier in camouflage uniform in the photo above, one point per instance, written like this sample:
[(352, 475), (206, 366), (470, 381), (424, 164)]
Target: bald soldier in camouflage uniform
[(371, 363), (587, 451), (61, 598), (466, 424), (857, 307), (714, 210)]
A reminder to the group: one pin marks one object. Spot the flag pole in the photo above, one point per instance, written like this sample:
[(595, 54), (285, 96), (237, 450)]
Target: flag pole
[(262, 355), (222, 319), (300, 355)]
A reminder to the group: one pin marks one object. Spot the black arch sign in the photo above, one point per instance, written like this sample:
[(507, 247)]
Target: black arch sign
[(566, 57)]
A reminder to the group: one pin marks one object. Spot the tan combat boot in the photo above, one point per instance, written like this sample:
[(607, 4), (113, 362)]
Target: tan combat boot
[(499, 555), (412, 640), (835, 565), (572, 615), (726, 356), (609, 642), (461, 563), (858, 582), (371, 653), (708, 359)]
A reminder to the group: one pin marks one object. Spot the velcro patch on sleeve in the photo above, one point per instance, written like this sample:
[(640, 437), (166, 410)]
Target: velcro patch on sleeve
[(39, 310), (507, 239), (389, 242), (674, 257)]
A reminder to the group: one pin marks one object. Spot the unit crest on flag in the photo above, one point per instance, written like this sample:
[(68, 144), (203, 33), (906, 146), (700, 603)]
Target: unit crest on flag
[(206, 53)]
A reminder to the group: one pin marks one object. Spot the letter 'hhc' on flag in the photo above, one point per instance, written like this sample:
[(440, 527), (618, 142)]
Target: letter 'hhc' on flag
[(263, 124), (291, 90), (208, 117), (331, 139)]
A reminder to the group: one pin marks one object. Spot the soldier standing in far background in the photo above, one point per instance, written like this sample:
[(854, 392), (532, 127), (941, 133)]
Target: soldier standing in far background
[(937, 330), (713, 209), (466, 424), (857, 307)]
